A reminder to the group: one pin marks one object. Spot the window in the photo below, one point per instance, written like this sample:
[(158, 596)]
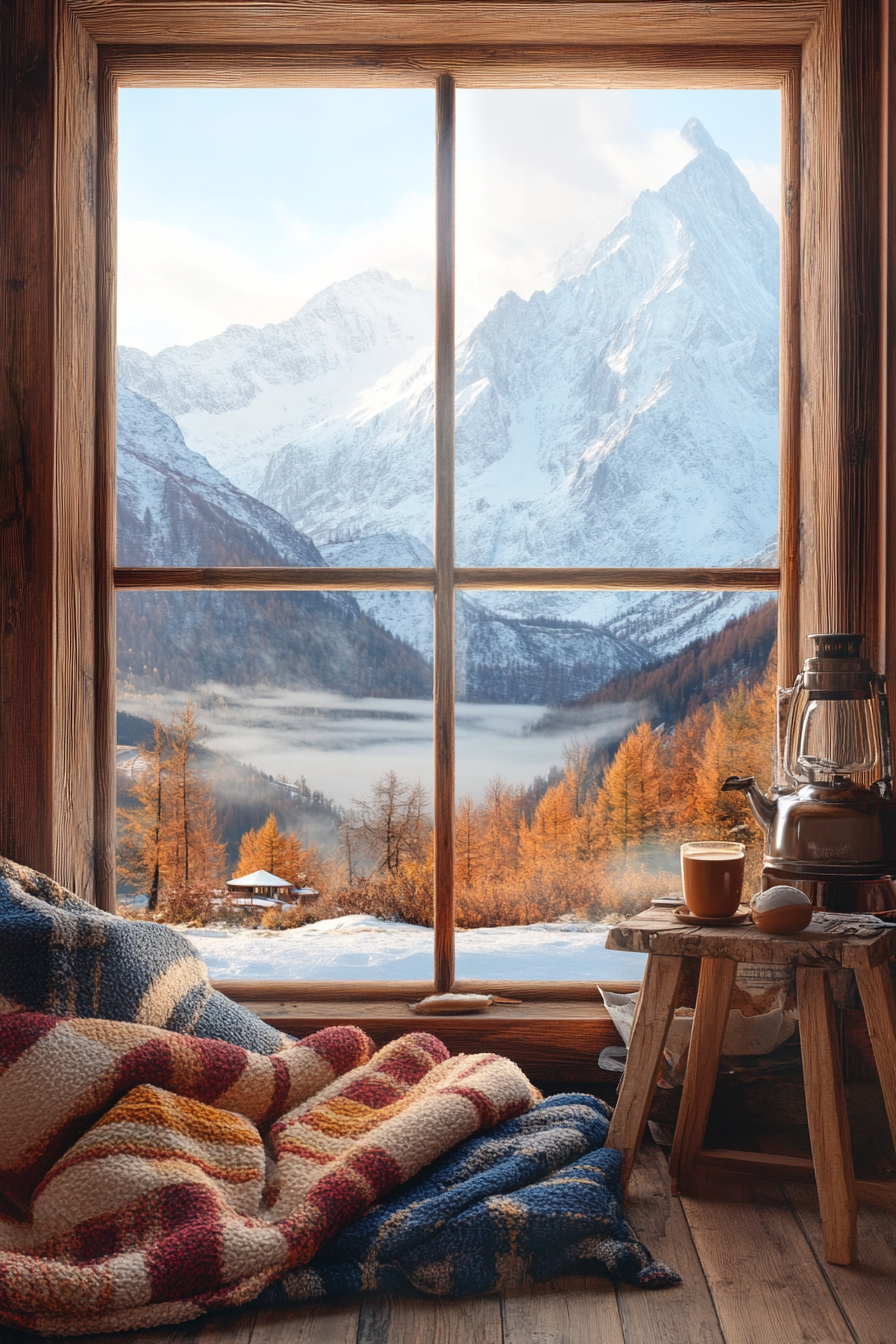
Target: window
[(592, 439), (59, 262)]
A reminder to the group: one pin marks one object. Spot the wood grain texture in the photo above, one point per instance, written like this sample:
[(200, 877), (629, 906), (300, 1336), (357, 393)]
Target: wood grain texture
[(765, 1282), (234, 1327), (645, 580), (443, 672), (652, 22), (879, 1002), (74, 717), (556, 1041), (470, 66), (398, 1013), (271, 578), (780, 1167), (654, 931), (47, 412), (841, 470), (856, 568), (409, 991), (789, 650), (826, 1110), (820, 242), (104, 501), (886, 651), (335, 1323), (563, 1311), (653, 1013), (27, 544), (684, 1314), (865, 1291), (409, 1320), (707, 1036)]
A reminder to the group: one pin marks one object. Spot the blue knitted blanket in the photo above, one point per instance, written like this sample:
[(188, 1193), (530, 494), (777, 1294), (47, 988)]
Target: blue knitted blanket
[(534, 1199), (61, 956)]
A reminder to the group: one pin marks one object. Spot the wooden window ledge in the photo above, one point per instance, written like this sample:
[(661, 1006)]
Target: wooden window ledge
[(556, 1038)]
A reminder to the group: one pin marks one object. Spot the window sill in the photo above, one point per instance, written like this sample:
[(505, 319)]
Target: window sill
[(557, 1038)]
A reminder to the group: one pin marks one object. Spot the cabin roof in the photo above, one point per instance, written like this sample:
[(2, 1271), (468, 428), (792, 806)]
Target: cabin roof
[(259, 879)]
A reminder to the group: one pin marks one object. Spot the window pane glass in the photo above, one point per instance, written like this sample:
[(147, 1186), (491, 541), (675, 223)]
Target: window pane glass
[(274, 308), (282, 734), (586, 755), (617, 373)]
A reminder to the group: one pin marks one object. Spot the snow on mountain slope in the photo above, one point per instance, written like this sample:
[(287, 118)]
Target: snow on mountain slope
[(175, 509), (499, 658), (243, 394), (406, 614), (627, 417)]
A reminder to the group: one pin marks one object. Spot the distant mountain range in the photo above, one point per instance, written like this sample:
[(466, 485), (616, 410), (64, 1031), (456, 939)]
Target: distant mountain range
[(626, 417)]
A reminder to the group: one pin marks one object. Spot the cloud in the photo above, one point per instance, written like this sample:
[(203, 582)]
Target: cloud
[(177, 286), (541, 172), (765, 181), (542, 176)]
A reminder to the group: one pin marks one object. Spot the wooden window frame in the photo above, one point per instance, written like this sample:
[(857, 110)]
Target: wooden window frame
[(60, 64)]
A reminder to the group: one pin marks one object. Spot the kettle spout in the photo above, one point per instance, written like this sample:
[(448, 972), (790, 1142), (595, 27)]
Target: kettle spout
[(763, 808)]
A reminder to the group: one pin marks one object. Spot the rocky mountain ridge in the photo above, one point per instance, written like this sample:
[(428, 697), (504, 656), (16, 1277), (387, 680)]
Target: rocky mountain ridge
[(628, 416)]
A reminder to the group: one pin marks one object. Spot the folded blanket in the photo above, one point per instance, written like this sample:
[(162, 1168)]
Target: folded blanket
[(60, 955), (534, 1199), (147, 1177)]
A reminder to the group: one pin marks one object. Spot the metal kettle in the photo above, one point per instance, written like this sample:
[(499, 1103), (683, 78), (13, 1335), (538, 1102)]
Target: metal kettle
[(834, 821)]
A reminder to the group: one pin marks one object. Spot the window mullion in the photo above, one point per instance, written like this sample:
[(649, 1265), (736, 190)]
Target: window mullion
[(443, 543)]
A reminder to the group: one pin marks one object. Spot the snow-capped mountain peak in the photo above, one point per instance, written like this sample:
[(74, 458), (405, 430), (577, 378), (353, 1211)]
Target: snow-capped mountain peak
[(626, 416), (242, 394)]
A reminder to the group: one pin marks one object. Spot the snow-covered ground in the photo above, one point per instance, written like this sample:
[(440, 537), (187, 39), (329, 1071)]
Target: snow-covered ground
[(362, 947)]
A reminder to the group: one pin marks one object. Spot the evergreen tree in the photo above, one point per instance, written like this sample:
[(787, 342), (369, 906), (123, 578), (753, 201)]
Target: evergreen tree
[(140, 828), (629, 799), (501, 812), (171, 838), (192, 849), (274, 851), (577, 767), (549, 836), (681, 766), (467, 841)]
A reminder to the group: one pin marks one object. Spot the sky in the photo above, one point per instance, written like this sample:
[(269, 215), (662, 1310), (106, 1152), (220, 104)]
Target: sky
[(238, 205)]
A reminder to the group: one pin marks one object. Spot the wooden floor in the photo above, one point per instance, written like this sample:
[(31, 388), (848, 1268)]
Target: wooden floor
[(749, 1255)]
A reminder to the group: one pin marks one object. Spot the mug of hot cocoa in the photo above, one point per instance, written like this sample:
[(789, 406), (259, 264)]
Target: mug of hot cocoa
[(712, 877)]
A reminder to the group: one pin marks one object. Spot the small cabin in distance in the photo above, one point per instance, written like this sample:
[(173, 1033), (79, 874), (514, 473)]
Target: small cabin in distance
[(270, 888)]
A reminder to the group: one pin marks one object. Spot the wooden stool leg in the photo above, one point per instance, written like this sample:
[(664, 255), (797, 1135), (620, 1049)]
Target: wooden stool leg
[(656, 1004), (879, 1002), (717, 977), (826, 1107)]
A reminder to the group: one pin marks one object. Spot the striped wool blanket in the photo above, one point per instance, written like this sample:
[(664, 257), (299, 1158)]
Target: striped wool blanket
[(60, 955), (147, 1176), (535, 1198)]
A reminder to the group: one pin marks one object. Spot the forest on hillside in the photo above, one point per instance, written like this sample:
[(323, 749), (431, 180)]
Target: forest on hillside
[(600, 839), (704, 670)]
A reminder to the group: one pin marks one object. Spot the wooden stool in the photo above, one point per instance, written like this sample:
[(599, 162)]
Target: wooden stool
[(667, 943)]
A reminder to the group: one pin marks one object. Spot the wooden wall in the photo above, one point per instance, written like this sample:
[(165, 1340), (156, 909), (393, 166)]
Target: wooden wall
[(841, 458), (48, 85)]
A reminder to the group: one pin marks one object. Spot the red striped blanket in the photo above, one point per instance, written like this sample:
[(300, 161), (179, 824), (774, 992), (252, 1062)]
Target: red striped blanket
[(147, 1177)]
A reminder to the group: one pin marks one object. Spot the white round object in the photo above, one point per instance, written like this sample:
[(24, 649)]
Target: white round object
[(778, 896)]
